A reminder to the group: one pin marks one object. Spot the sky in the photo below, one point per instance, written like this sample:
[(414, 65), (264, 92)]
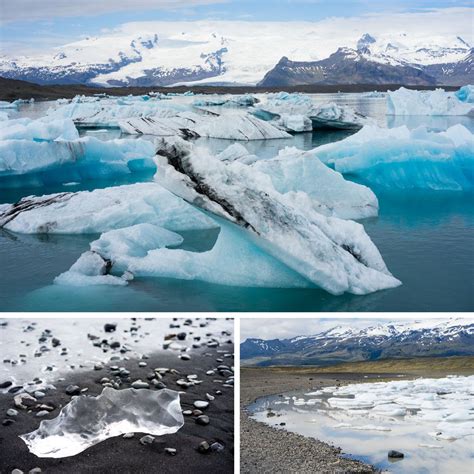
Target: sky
[(283, 328), (32, 25)]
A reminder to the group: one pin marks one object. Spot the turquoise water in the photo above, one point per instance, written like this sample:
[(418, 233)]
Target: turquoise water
[(426, 240)]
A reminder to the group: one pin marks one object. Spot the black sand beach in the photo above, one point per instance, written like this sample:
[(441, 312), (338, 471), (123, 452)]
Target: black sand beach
[(128, 455)]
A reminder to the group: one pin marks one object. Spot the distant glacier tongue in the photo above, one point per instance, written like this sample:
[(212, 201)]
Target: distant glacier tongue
[(86, 421)]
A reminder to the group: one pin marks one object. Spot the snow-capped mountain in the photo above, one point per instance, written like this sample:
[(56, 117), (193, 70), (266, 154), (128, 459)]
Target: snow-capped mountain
[(389, 340), (233, 52)]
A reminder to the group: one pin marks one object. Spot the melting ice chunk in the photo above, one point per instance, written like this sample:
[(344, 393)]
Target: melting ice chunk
[(86, 421)]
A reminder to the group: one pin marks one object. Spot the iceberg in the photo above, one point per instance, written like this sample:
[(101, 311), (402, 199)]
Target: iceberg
[(405, 159), (56, 161), (332, 253), (140, 251), (86, 421), (107, 113), (245, 100), (101, 210), (239, 127), (438, 102), (38, 130), (298, 113), (303, 174), (466, 94), (237, 152)]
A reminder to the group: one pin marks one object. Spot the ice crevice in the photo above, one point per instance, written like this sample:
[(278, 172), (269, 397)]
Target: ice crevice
[(86, 421)]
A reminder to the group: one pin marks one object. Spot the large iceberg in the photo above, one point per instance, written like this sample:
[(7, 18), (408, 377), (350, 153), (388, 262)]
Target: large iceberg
[(298, 113), (191, 125), (101, 210), (34, 163), (38, 130), (334, 254), (405, 159), (141, 251), (86, 421), (294, 171), (438, 102)]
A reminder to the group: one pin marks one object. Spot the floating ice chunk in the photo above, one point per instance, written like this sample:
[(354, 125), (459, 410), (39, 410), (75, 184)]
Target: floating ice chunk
[(294, 171), (245, 100), (38, 130), (466, 94), (8, 105), (234, 260), (237, 152), (405, 159), (332, 115), (239, 127), (438, 102), (83, 158), (101, 210), (86, 421), (295, 123), (334, 254)]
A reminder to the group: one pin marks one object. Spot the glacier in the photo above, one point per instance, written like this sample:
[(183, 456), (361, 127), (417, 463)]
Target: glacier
[(294, 171), (297, 112), (86, 421), (334, 254), (400, 158), (141, 251), (101, 210), (438, 102)]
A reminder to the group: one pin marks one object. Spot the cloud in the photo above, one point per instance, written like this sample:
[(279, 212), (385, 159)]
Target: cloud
[(33, 10)]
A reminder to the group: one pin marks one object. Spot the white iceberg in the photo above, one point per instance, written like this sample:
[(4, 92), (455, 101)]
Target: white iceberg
[(38, 130), (438, 102), (101, 210), (86, 421), (294, 171), (298, 113), (400, 158), (246, 100), (333, 254), (237, 152)]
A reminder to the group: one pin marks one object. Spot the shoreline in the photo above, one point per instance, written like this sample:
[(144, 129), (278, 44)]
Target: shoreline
[(127, 454)]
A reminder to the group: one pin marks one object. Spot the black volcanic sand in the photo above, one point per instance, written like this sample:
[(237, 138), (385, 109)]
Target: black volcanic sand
[(11, 89), (119, 455), (267, 449)]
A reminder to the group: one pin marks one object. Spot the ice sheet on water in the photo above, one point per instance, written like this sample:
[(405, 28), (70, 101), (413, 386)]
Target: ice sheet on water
[(405, 159), (438, 102), (447, 401), (294, 171), (101, 210), (335, 254), (86, 421)]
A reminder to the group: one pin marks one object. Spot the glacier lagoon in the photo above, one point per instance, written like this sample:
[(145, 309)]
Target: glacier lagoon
[(428, 246), (428, 420)]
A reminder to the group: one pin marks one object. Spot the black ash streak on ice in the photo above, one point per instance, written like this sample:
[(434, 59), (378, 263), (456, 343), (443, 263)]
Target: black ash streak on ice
[(209, 356)]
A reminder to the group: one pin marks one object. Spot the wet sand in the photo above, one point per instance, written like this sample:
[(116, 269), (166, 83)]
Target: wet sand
[(119, 455), (266, 449)]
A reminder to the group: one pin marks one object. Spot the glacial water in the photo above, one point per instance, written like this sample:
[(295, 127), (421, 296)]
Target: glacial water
[(426, 240), (367, 439)]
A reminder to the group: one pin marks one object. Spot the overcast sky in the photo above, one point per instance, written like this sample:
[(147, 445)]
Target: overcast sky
[(29, 25), (269, 328)]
